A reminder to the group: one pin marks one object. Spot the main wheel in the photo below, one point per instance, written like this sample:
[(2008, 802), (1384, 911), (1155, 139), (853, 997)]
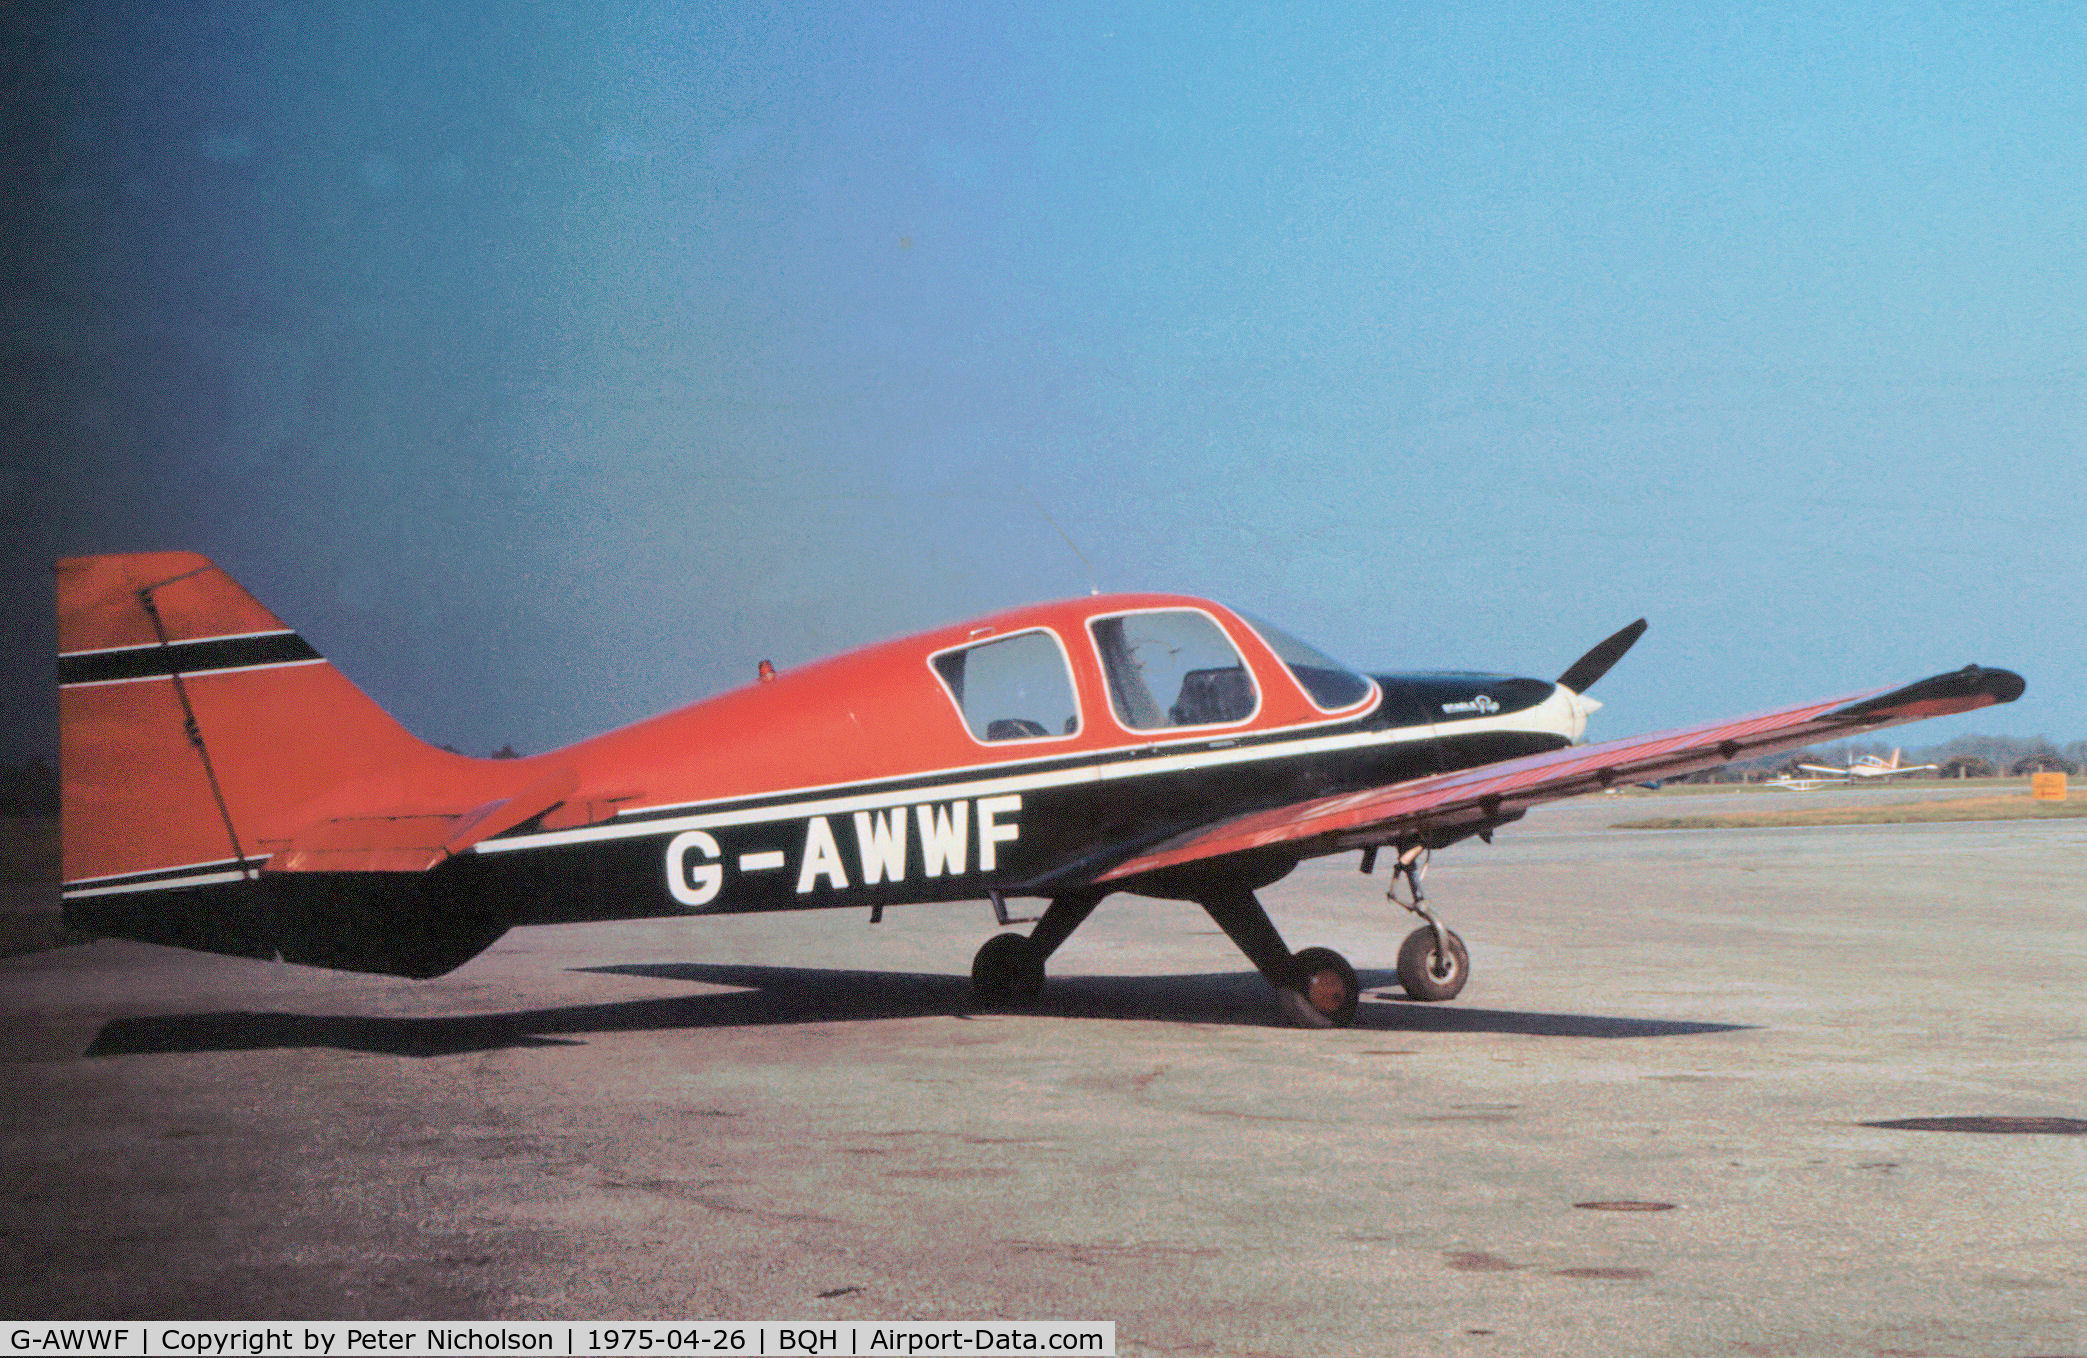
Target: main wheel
[(1426, 973), (1327, 991), (1005, 970)]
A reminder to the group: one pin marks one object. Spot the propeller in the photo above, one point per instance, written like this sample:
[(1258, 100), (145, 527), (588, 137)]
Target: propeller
[(1580, 676)]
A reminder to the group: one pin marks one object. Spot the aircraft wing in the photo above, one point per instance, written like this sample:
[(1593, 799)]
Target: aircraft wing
[(1484, 796)]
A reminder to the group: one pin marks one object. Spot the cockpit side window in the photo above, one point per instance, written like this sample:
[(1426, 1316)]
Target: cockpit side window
[(1012, 688), (1172, 667)]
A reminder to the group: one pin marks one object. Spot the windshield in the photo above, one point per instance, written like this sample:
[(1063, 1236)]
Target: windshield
[(1331, 684)]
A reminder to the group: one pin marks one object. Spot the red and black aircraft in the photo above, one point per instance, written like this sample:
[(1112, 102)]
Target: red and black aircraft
[(225, 788)]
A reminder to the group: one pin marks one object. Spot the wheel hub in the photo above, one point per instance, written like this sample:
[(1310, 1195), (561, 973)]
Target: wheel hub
[(1326, 992)]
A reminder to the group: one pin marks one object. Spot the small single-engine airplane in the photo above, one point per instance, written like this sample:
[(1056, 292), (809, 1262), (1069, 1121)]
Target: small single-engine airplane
[(1865, 766), (226, 789)]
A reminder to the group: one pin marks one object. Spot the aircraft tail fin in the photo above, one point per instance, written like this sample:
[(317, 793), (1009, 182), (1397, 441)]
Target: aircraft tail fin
[(198, 736)]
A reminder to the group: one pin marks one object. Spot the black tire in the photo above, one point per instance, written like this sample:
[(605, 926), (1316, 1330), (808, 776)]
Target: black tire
[(1326, 992), (1425, 973), (1005, 971)]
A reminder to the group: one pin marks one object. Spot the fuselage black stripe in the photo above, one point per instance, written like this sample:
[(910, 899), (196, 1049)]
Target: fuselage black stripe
[(1380, 718), (1118, 759), (184, 657), (1406, 712)]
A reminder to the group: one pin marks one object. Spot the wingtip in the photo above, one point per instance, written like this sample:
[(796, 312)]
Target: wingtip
[(1998, 685), (1964, 690), (2004, 685)]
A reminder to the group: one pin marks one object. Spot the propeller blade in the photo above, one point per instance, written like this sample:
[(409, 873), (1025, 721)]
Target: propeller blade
[(1593, 665)]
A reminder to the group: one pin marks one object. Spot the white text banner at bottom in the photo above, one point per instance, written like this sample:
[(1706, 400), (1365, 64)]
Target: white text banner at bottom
[(568, 1339)]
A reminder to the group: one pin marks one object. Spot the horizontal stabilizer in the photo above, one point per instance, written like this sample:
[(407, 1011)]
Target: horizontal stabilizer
[(223, 787), (416, 841)]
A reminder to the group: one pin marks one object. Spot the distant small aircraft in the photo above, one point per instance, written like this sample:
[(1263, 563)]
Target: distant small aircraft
[(1866, 766), (1784, 782), (226, 789)]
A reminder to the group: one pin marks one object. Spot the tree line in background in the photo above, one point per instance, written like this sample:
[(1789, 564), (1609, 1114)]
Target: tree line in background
[(1972, 756)]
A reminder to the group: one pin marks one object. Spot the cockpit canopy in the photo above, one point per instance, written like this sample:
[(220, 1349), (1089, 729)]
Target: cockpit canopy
[(1164, 668)]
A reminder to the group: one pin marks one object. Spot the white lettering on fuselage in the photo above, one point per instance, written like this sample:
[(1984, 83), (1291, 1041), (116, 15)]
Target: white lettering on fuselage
[(822, 857), (943, 837), (883, 846), (881, 839), (693, 884), (884, 843), (991, 834), (1482, 705)]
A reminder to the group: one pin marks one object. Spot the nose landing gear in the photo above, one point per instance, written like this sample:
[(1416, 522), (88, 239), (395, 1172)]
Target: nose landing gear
[(1431, 969), (1433, 963)]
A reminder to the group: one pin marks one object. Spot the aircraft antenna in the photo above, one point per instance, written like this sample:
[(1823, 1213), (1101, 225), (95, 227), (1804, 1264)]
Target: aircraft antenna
[(1093, 581)]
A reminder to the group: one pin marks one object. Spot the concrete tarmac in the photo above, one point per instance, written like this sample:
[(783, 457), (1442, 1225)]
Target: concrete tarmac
[(797, 1117)]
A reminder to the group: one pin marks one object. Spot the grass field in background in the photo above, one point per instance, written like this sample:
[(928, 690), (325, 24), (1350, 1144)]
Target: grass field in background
[(2019, 806)]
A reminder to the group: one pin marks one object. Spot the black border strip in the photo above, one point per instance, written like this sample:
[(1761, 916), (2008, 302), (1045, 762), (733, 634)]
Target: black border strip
[(184, 657)]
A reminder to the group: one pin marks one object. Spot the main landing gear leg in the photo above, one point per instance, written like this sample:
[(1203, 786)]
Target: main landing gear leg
[(1316, 988), (1011, 968)]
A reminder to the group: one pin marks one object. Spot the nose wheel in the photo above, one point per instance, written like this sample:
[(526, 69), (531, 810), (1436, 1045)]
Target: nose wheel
[(1433, 963)]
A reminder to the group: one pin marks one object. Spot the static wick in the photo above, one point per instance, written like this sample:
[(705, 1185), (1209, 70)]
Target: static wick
[(767, 671)]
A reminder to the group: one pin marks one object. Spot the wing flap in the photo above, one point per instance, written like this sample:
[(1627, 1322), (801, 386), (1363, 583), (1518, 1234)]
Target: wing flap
[(1498, 792)]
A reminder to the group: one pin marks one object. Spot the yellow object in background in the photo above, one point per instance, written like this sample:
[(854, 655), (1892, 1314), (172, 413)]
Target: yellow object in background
[(2047, 787)]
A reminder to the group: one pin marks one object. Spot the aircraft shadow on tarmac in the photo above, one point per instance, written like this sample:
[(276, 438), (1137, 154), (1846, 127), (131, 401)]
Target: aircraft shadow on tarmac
[(768, 995)]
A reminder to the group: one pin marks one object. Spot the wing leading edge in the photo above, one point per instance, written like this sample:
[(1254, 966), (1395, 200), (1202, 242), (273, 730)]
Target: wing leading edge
[(1492, 793)]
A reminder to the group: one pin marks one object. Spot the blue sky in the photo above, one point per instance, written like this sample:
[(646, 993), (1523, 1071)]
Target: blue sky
[(550, 366)]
